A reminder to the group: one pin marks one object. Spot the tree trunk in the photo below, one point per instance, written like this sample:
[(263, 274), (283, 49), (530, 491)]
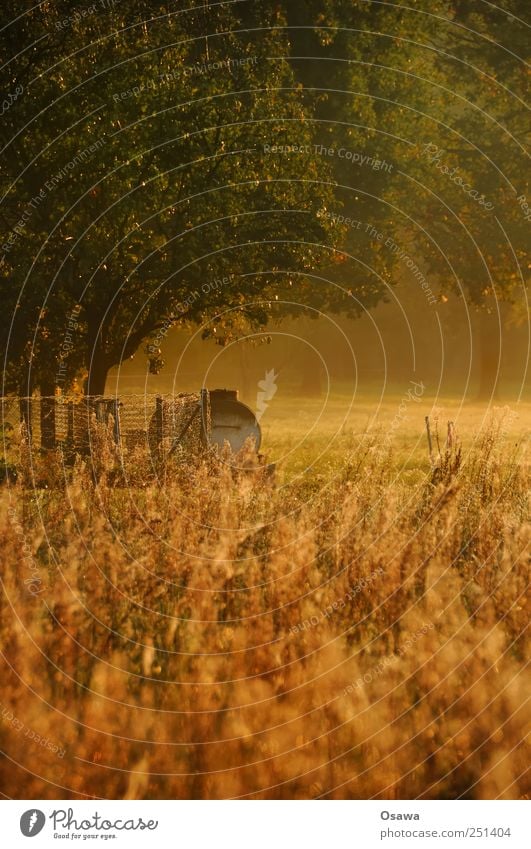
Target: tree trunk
[(98, 369), (489, 356)]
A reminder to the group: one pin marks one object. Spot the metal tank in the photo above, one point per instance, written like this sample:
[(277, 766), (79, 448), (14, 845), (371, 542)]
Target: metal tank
[(232, 421)]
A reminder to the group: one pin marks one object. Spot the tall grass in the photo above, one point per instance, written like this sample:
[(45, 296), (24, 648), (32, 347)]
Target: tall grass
[(216, 634)]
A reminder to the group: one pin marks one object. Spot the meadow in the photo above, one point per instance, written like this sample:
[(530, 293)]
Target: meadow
[(351, 626)]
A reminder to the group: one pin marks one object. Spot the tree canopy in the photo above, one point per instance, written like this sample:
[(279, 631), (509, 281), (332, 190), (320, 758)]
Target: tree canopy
[(164, 166)]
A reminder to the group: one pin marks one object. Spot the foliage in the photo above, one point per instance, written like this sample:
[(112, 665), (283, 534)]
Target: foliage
[(177, 190), (184, 215)]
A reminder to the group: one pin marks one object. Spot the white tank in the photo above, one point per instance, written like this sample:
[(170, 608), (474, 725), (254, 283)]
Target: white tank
[(232, 421)]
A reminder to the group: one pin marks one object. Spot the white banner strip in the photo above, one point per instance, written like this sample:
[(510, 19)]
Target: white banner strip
[(263, 825)]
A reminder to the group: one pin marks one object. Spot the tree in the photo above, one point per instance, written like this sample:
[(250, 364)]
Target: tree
[(470, 174), (143, 143), (224, 145), (437, 89)]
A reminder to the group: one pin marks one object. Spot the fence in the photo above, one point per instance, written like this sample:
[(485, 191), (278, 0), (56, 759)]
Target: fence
[(164, 423)]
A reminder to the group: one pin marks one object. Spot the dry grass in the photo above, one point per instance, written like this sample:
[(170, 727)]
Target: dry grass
[(224, 636)]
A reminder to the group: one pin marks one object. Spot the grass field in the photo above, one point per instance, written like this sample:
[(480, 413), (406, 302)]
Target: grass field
[(351, 628), (317, 433)]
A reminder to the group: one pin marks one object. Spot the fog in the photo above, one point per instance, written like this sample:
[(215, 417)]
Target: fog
[(378, 353)]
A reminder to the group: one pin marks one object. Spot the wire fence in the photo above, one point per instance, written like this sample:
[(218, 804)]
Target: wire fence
[(164, 424)]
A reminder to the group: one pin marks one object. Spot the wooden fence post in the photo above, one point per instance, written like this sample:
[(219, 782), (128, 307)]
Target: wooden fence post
[(47, 405), (82, 414), (114, 410), (428, 434), (204, 402), (159, 422), (25, 415)]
